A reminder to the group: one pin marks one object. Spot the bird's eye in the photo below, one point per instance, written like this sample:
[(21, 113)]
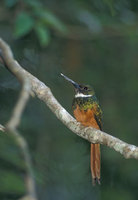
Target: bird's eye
[(85, 88)]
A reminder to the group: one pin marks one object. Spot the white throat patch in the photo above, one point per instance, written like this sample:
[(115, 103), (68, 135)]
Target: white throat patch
[(82, 95)]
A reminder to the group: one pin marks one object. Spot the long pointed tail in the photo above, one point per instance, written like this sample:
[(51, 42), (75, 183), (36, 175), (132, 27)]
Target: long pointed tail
[(95, 163)]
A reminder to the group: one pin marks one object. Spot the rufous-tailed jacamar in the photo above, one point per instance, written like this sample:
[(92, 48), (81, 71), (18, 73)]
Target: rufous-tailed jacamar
[(87, 111)]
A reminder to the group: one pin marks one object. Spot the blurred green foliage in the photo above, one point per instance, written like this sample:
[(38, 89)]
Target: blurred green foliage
[(93, 42), (32, 16)]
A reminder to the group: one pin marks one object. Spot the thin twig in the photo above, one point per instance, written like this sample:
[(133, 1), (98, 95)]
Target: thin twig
[(2, 128), (14, 121), (23, 145), (29, 180)]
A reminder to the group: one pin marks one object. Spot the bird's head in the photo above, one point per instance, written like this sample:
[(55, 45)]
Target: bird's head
[(80, 90)]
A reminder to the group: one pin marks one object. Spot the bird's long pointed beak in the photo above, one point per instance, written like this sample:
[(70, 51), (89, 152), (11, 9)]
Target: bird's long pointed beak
[(76, 85)]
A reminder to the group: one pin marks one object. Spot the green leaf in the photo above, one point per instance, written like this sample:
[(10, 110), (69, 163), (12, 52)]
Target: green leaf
[(42, 34), (23, 24), (50, 19)]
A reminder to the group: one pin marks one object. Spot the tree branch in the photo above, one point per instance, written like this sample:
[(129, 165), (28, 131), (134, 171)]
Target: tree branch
[(11, 127), (92, 135), (2, 128)]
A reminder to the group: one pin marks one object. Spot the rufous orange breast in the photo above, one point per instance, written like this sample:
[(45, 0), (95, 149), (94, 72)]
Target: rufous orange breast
[(87, 118)]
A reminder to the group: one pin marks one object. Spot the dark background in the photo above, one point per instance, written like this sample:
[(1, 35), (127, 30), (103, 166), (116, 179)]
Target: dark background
[(93, 42)]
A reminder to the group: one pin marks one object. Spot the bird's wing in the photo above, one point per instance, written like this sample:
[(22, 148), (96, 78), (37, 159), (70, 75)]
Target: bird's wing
[(98, 117)]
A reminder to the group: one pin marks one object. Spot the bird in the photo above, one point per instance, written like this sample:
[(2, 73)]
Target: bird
[(87, 111)]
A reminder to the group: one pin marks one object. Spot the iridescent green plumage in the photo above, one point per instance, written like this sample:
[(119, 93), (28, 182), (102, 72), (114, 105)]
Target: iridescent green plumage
[(86, 103)]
